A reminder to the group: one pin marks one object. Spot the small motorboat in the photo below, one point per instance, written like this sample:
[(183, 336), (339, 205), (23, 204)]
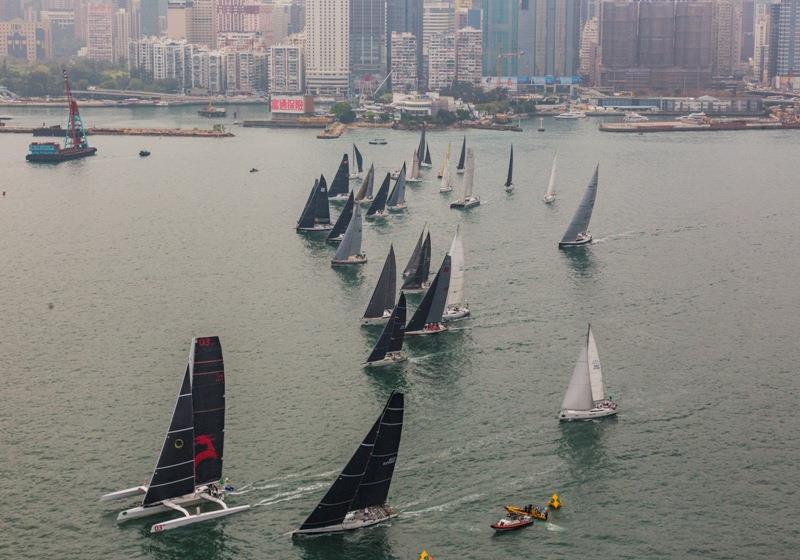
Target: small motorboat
[(530, 510), (144, 153), (512, 522), (253, 170), (378, 142)]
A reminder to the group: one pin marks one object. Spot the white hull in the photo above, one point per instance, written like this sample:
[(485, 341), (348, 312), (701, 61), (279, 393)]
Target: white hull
[(377, 216), (584, 415), (354, 520), (425, 165), (367, 321), (358, 259), (156, 509), (455, 313), (365, 201), (122, 494), (509, 188), (339, 198), (316, 228), (460, 171), (445, 189), (577, 243), (389, 359), (549, 198), (191, 519), (423, 289), (414, 181), (471, 202), (398, 208), (356, 176), (335, 240), (432, 328)]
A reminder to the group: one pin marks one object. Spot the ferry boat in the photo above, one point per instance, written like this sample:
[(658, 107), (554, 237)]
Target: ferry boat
[(693, 118), (633, 116), (212, 112), (571, 115)]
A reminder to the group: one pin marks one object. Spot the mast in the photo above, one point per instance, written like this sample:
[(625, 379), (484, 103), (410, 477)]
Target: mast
[(365, 191), (455, 294), (383, 296), (351, 242), (343, 220), (208, 401), (595, 371), (551, 186), (341, 181), (469, 174), (379, 202), (580, 221), (509, 180), (398, 195), (579, 391), (460, 165), (391, 339)]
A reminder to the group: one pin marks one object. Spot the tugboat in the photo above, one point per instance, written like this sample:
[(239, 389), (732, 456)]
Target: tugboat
[(212, 112), (75, 144)]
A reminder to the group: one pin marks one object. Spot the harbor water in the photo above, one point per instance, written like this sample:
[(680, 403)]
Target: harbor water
[(111, 264)]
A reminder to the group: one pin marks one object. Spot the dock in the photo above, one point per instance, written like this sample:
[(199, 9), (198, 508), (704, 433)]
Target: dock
[(711, 125), (333, 131), (106, 131)]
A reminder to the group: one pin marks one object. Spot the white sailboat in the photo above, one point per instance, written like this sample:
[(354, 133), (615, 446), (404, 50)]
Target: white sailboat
[(415, 176), (445, 162), (468, 200), (586, 398), (349, 250), (455, 307), (447, 184), (550, 194)]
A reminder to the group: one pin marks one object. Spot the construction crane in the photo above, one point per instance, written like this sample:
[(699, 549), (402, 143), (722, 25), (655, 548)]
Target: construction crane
[(502, 56)]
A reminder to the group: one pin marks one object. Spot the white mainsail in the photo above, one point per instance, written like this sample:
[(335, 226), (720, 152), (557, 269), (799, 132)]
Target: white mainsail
[(415, 173), (579, 392), (455, 295), (446, 171), (595, 371), (445, 162), (469, 174), (551, 186)]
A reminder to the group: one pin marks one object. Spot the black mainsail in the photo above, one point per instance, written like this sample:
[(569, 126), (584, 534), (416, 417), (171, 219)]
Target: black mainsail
[(383, 296), (322, 213), (463, 156), (342, 221), (359, 159), (431, 307), (509, 180), (379, 202), (427, 159), (397, 198), (391, 339), (341, 182), (419, 274), (306, 220), (422, 144), (580, 221), (413, 262), (365, 191), (174, 472), (208, 401)]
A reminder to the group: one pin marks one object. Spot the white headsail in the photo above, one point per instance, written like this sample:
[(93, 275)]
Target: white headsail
[(579, 392), (445, 186), (469, 174), (455, 294), (595, 371), (551, 186)]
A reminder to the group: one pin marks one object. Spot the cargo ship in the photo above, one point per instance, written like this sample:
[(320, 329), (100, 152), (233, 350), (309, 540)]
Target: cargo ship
[(75, 144)]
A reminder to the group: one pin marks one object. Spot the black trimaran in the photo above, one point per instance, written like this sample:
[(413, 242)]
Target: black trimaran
[(316, 214), (189, 467), (380, 304), (358, 496), (415, 275), (388, 349)]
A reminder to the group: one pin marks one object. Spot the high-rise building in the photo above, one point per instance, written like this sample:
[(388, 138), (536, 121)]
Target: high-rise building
[(590, 50), (404, 62), (237, 15), (149, 12), (203, 23), (61, 24), (121, 34), (162, 59), (548, 37), (327, 52), (368, 56), (286, 72), (26, 40), (404, 16), (788, 38), (438, 17), (469, 55), (726, 23), (747, 40), (100, 32), (761, 43), (500, 45), (245, 71), (178, 18), (208, 71), (441, 61), (11, 9)]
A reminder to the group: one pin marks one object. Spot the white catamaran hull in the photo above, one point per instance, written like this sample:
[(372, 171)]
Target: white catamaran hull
[(389, 359), (584, 415), (358, 521), (194, 498), (357, 259), (122, 494)]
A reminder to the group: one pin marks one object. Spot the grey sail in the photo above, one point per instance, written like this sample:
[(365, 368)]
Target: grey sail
[(428, 155), (383, 296), (462, 157), (579, 392), (391, 339), (398, 195), (419, 275), (343, 221), (413, 262), (509, 179), (365, 191), (379, 202), (580, 221), (431, 307), (351, 242)]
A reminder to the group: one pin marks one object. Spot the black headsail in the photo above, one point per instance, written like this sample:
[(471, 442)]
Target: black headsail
[(432, 305), (391, 339), (379, 202), (463, 155), (383, 296), (427, 155), (374, 488), (413, 262), (343, 220), (341, 182), (310, 209), (420, 274), (322, 213), (398, 194), (510, 167), (208, 396), (174, 472), (359, 159), (422, 144)]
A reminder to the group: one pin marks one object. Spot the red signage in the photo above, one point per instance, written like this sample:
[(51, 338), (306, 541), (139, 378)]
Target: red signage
[(288, 104)]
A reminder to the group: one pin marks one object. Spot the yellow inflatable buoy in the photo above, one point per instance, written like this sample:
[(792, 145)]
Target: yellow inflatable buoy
[(555, 502), (425, 556)]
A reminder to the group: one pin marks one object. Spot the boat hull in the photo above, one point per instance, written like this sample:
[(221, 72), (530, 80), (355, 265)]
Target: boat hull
[(501, 527), (339, 197), (335, 240), (429, 329), (471, 202), (455, 314), (509, 188), (349, 524), (549, 199), (355, 177), (315, 229), (358, 259), (578, 243), (122, 494), (156, 509), (445, 190), (390, 359), (398, 208), (63, 155), (414, 181), (586, 415), (370, 321), (377, 215)]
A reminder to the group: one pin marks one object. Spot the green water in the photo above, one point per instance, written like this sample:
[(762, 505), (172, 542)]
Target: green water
[(691, 288)]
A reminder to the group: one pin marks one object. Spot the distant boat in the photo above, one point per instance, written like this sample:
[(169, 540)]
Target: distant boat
[(550, 195), (349, 250), (316, 214), (541, 124), (455, 307), (445, 162), (427, 161), (340, 227), (577, 233), (571, 115), (633, 117), (359, 162), (378, 142), (377, 209), (379, 308), (144, 153), (341, 181), (364, 194), (253, 170), (461, 158), (212, 112), (468, 200), (397, 199), (509, 184), (389, 348), (421, 149), (358, 496), (585, 398), (415, 176), (446, 185), (427, 319), (415, 276), (189, 466)]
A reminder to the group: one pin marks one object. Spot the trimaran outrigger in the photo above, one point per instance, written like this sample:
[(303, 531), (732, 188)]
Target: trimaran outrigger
[(189, 468)]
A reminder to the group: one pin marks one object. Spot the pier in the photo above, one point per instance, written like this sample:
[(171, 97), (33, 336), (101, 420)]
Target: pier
[(130, 131), (711, 125)]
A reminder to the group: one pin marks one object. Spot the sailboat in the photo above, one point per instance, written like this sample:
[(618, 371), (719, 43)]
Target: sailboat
[(389, 348), (377, 209), (189, 467), (397, 199), (422, 150), (415, 276), (427, 319), (456, 308), (427, 161), (337, 233), (577, 233), (447, 184), (585, 398), (461, 158), (379, 308), (509, 184), (468, 200), (349, 250), (341, 182), (359, 161), (316, 214), (364, 194), (415, 176), (358, 496), (445, 162), (541, 124), (550, 195)]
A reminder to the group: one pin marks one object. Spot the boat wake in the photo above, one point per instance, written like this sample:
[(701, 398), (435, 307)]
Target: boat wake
[(553, 527), (417, 359), (615, 236), (249, 487), (290, 495), (252, 487), (443, 507)]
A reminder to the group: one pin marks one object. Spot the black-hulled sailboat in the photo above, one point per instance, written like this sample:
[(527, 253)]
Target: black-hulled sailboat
[(389, 348), (337, 233), (377, 209), (340, 187), (358, 160), (364, 193), (415, 276), (316, 214), (462, 157), (189, 468), (509, 184), (427, 319), (349, 250), (397, 198), (358, 496), (379, 308), (578, 231)]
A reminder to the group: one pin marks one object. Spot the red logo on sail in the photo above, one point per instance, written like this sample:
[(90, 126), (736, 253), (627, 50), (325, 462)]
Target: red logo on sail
[(208, 453)]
